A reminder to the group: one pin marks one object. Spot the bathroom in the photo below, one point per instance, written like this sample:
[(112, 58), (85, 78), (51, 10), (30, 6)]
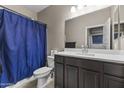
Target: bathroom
[(80, 41)]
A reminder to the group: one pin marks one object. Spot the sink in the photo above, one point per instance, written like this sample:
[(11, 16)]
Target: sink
[(86, 54)]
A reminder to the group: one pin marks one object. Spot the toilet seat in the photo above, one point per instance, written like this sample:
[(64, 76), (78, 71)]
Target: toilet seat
[(43, 70)]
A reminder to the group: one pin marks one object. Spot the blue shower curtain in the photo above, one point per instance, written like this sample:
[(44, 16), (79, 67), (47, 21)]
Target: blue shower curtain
[(22, 47)]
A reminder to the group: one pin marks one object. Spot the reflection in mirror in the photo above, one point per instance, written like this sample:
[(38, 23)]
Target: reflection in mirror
[(116, 32), (121, 26), (92, 30), (118, 42), (95, 37)]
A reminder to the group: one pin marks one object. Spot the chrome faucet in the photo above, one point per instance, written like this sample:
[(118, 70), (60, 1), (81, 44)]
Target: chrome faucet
[(84, 49)]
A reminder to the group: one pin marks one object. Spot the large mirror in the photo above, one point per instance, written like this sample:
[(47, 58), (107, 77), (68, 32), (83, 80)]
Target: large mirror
[(101, 29), (92, 30)]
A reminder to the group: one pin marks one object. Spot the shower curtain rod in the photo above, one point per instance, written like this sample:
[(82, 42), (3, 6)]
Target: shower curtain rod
[(20, 14)]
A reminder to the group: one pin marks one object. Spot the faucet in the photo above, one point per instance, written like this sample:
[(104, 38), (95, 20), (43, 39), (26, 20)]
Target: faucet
[(84, 49)]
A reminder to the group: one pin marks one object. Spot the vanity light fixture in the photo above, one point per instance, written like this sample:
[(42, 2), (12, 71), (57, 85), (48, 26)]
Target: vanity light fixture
[(79, 7), (75, 8)]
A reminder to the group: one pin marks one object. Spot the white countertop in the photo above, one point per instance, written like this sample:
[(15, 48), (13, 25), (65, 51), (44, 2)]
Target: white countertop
[(52, 57), (113, 58)]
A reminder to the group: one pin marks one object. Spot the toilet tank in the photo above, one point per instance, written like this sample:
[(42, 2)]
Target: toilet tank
[(50, 61)]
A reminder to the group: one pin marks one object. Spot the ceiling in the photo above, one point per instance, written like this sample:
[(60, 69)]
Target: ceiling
[(36, 8)]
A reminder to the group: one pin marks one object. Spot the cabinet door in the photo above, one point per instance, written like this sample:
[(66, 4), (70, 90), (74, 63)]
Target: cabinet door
[(59, 75), (113, 82), (88, 79), (71, 77)]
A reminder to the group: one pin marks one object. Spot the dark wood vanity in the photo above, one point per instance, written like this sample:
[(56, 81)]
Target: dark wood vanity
[(72, 72)]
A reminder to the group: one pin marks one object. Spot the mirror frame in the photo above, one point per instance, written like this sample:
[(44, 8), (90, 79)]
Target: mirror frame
[(117, 9)]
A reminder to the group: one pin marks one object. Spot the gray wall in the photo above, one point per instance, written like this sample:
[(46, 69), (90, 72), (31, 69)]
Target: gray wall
[(23, 10), (75, 28), (54, 17)]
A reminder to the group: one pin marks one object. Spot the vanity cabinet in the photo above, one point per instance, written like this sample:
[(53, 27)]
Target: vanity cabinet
[(72, 72)]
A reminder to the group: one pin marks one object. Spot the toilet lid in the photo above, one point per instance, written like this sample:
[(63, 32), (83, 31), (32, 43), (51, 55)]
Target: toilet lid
[(42, 70)]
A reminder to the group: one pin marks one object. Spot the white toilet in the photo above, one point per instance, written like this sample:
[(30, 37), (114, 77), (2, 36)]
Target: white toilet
[(42, 74)]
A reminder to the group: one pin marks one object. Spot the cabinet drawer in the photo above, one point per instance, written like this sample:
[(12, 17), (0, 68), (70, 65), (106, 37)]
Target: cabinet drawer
[(72, 61), (59, 59), (91, 65), (84, 63), (114, 69)]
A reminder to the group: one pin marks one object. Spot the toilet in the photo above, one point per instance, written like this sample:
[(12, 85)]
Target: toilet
[(42, 74)]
